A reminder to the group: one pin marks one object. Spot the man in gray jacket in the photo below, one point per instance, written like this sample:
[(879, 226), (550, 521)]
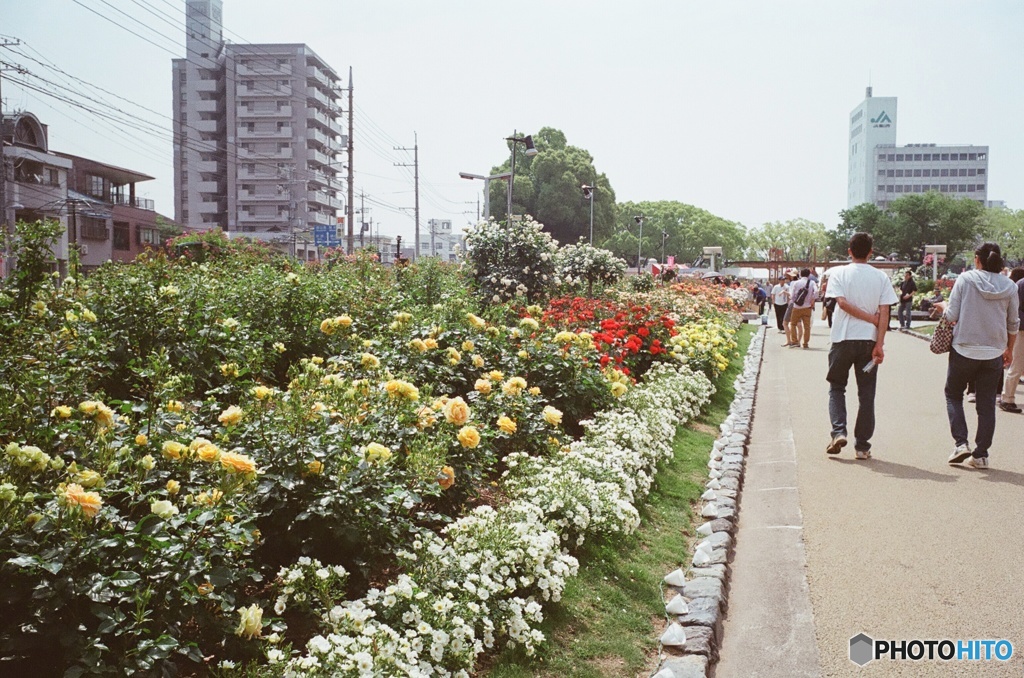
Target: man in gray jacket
[(983, 306)]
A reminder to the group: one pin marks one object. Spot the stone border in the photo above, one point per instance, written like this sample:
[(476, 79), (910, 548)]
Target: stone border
[(919, 335), (699, 595)]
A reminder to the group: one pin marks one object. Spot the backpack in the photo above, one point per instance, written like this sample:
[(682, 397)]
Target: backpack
[(801, 295)]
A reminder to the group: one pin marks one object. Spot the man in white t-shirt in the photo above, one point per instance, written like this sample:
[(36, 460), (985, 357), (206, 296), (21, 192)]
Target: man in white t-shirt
[(780, 300), (863, 297)]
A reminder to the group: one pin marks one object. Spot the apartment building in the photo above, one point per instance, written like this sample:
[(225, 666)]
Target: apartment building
[(257, 133), (439, 240), (881, 171)]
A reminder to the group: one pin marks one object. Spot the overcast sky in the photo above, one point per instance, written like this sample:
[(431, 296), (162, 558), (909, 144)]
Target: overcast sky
[(738, 107)]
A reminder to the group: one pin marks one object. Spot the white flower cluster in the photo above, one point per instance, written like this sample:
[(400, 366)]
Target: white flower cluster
[(594, 487), (486, 576), (511, 262), (738, 295), (306, 581), (582, 263)]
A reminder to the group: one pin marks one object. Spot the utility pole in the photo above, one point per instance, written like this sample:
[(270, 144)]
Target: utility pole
[(351, 171), (416, 177), (363, 225), (6, 223)]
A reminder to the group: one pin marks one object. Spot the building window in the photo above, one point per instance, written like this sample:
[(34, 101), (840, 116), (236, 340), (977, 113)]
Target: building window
[(981, 171), (890, 157), (899, 173), (963, 172), (881, 188), (149, 236), (881, 157), (890, 173), (944, 172), (899, 157), (917, 156), (890, 189), (917, 173), (963, 156), (899, 188), (972, 156), (122, 236), (963, 188), (945, 156), (927, 156), (53, 176), (918, 189), (981, 187), (881, 173), (926, 173), (92, 228), (972, 172), (982, 156)]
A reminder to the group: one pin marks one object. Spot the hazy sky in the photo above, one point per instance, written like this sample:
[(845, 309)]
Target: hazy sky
[(739, 107)]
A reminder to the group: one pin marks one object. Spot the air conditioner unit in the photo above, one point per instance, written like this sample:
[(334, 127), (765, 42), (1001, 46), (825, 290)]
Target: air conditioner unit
[(84, 249)]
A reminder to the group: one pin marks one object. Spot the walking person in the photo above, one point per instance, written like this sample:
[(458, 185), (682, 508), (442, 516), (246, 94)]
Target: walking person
[(907, 289), (864, 296), (780, 300), (803, 294), (984, 306), (1008, 402)]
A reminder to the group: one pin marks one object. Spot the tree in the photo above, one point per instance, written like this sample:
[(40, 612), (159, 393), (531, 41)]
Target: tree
[(930, 219), (1005, 227), (865, 218), (689, 230), (796, 238), (547, 187)]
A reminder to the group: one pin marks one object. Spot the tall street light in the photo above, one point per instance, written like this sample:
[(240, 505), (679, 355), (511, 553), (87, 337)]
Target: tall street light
[(588, 194), (639, 219), (531, 151), (487, 187)]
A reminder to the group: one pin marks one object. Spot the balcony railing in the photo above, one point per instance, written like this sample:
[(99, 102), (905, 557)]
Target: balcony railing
[(141, 203), (284, 112)]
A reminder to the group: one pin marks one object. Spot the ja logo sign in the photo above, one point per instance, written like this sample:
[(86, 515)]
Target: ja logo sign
[(883, 120)]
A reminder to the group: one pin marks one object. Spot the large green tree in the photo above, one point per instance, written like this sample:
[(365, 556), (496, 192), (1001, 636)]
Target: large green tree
[(1005, 227), (929, 219), (795, 238), (866, 218), (547, 186), (688, 230)]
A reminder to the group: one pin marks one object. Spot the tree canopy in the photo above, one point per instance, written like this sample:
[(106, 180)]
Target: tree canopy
[(796, 238), (547, 186), (1005, 227), (689, 229)]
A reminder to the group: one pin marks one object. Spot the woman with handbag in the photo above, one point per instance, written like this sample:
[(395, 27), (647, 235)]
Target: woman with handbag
[(983, 312)]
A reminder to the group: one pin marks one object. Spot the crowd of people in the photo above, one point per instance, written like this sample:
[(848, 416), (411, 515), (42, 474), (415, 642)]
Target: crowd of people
[(985, 310)]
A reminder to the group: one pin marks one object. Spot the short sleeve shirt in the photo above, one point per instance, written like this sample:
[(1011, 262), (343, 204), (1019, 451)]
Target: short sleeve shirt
[(867, 288)]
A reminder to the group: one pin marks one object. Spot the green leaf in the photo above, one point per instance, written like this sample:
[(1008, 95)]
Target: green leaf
[(124, 579)]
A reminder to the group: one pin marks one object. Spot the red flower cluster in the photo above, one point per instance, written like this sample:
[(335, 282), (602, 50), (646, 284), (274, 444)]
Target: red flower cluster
[(628, 335)]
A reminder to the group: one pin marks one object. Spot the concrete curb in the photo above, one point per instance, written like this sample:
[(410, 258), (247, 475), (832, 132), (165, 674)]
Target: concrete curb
[(700, 594)]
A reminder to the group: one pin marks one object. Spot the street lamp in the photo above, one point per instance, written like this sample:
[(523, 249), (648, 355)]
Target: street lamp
[(664, 237), (935, 251), (588, 194), (487, 187), (713, 251), (531, 151), (639, 219)]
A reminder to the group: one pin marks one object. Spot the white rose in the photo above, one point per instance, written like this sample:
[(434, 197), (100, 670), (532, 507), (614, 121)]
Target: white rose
[(163, 508)]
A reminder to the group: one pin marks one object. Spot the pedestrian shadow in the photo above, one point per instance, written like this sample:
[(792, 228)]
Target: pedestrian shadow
[(901, 471), (996, 475)]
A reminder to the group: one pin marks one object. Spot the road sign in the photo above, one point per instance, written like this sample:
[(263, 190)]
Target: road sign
[(325, 236)]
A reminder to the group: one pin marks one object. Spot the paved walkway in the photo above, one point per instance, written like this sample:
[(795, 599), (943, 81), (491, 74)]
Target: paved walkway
[(902, 546)]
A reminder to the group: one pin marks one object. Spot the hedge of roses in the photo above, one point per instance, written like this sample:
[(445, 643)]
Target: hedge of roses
[(226, 459)]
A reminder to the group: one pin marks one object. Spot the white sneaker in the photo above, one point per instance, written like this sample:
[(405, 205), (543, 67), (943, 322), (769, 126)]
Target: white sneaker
[(863, 454), (978, 462), (961, 453), (971, 397)]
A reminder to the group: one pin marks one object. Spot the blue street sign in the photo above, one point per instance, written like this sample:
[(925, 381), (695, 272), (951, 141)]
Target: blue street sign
[(325, 236)]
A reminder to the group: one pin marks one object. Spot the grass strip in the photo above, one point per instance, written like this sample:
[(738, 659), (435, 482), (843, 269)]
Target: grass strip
[(610, 617)]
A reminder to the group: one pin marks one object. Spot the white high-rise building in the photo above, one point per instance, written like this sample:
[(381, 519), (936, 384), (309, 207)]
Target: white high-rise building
[(257, 133), (880, 171)]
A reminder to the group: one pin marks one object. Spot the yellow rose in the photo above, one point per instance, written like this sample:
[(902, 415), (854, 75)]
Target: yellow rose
[(469, 436), (204, 449), (426, 418), (315, 467), (205, 589), (250, 624), (369, 361), (237, 463), (398, 388), (375, 452), (163, 508), (478, 361), (89, 478), (88, 316), (506, 425), (476, 321), (495, 375), (173, 487), (61, 412), (141, 440), (89, 502), (262, 392), (565, 337), (514, 386), (229, 370), (456, 411), (446, 478), (483, 386), (618, 389), (89, 407), (468, 346), (328, 326), (231, 416), (523, 354), (418, 344), (534, 391), (279, 347), (147, 462), (430, 343), (174, 406), (104, 416), (172, 449), (552, 416)]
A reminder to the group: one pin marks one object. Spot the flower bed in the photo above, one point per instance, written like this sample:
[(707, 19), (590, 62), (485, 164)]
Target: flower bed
[(219, 462)]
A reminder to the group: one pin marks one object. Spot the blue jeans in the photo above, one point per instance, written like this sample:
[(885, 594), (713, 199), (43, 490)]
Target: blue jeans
[(843, 356), (985, 374), (903, 313)]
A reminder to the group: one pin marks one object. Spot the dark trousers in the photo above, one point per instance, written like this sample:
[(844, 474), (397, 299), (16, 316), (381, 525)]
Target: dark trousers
[(844, 356), (985, 375), (903, 313), (780, 314)]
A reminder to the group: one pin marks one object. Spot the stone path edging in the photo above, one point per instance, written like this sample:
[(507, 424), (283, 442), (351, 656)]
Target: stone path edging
[(699, 595)]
